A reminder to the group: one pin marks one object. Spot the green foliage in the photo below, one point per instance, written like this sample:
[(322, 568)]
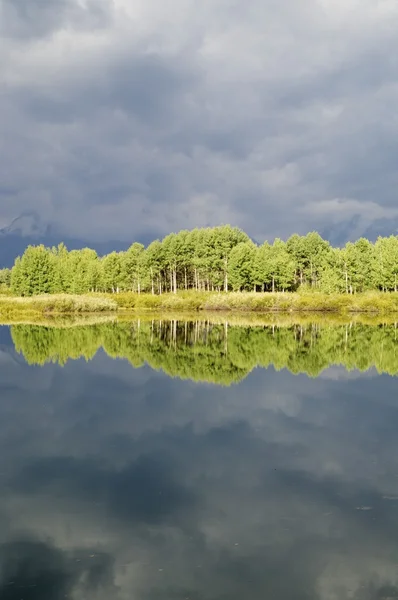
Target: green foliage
[(34, 273), (241, 266), (281, 266), (132, 268), (385, 264), (5, 280)]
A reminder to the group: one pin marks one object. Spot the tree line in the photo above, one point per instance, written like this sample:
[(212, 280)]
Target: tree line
[(201, 351), (210, 259)]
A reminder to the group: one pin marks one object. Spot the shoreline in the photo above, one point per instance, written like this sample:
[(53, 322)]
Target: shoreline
[(288, 303), (56, 311), (372, 304)]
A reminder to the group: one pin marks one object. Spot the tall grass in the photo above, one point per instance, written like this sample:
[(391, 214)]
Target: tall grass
[(247, 302), (372, 302), (54, 304), (192, 301)]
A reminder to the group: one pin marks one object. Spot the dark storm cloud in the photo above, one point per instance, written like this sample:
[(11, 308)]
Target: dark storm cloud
[(146, 88), (26, 20), (129, 118)]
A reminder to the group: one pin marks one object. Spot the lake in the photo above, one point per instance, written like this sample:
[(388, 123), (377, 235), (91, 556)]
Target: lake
[(174, 459)]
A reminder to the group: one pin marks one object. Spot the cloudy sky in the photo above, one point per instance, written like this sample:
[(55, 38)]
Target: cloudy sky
[(125, 119)]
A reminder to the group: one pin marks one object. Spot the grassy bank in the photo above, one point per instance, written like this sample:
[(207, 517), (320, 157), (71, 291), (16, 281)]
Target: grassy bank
[(12, 308), (51, 305), (375, 302)]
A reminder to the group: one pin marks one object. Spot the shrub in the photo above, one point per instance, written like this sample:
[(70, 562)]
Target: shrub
[(57, 304)]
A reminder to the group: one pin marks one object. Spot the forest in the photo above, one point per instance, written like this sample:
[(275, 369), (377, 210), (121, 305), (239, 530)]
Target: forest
[(215, 259), (216, 353)]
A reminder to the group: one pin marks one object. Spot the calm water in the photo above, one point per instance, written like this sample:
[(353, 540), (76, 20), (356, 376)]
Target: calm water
[(191, 461)]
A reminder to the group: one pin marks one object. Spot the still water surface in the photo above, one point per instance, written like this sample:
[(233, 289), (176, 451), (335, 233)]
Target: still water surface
[(171, 461)]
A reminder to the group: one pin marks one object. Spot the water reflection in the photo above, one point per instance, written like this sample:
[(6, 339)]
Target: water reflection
[(125, 483), (203, 351)]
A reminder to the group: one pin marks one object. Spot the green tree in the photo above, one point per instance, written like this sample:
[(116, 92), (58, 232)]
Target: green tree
[(282, 267), (226, 238), (17, 283), (133, 268), (241, 266), (153, 263), (385, 264), (112, 271), (333, 273), (61, 276), (5, 279), (34, 272), (309, 254), (262, 266)]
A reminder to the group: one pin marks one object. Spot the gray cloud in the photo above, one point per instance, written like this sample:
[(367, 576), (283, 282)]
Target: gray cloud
[(124, 119), (39, 18)]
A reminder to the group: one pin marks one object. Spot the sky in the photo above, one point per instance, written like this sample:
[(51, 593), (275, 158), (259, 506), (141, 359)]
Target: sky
[(128, 119)]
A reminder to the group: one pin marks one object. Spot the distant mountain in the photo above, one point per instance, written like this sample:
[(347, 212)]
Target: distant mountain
[(28, 229), (354, 228), (381, 227), (340, 233), (28, 224)]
